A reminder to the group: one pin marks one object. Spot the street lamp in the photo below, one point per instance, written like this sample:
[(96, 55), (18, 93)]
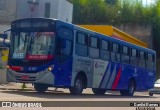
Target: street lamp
[(32, 5)]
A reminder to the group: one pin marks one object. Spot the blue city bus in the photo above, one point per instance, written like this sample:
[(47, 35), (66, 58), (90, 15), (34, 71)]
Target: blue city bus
[(52, 53)]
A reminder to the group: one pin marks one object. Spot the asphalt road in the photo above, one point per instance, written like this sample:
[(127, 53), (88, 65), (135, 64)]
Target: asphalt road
[(14, 93)]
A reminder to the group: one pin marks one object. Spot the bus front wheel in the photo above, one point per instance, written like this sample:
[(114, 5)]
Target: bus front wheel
[(40, 88), (77, 89), (97, 91)]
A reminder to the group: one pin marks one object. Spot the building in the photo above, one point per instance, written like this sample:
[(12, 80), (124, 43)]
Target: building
[(16, 9)]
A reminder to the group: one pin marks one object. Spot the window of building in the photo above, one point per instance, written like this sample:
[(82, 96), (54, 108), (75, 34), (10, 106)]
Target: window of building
[(47, 10), (2, 4)]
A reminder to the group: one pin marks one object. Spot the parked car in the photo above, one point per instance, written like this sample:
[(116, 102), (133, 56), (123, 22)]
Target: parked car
[(156, 89)]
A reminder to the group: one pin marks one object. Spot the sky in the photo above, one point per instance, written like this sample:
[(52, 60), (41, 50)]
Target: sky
[(147, 2)]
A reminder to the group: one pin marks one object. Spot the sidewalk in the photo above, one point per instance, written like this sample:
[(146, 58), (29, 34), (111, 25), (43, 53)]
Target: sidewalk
[(15, 86)]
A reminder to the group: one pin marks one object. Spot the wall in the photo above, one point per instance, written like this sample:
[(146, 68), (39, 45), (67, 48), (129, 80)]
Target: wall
[(59, 9), (4, 27), (9, 13), (66, 11), (139, 31)]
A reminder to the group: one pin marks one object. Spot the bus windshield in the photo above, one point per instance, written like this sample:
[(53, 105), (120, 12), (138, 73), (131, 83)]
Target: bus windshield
[(33, 46)]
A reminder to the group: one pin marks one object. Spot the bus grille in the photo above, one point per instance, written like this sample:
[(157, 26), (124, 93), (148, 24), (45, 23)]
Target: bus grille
[(19, 78)]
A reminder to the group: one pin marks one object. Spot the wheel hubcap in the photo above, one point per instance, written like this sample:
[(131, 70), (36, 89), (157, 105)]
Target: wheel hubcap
[(78, 84), (131, 88)]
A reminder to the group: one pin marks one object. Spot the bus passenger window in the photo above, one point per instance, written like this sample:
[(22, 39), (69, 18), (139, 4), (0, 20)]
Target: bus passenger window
[(150, 61), (94, 47), (114, 50), (141, 61), (133, 57), (66, 47), (65, 39), (104, 50), (119, 53), (125, 55), (81, 44)]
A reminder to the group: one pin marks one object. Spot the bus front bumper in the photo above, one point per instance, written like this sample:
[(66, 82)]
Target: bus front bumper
[(42, 77)]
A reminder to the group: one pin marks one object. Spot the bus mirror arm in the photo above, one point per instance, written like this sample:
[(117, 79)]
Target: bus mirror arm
[(7, 43)]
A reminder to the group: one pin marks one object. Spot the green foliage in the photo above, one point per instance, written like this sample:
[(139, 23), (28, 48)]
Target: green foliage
[(111, 12)]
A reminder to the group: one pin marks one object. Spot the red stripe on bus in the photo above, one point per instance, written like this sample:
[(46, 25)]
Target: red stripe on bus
[(114, 86), (16, 68)]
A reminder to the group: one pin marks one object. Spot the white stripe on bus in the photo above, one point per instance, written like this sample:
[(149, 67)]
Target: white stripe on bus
[(113, 75), (106, 77)]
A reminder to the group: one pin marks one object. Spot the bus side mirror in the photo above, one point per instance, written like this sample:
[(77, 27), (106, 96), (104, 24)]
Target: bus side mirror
[(4, 36)]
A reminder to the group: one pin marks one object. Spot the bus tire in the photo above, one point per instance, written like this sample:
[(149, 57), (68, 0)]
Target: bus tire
[(150, 94), (97, 91), (40, 88), (77, 89), (131, 88)]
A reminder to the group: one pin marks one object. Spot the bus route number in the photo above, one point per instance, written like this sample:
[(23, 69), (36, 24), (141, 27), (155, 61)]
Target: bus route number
[(18, 55)]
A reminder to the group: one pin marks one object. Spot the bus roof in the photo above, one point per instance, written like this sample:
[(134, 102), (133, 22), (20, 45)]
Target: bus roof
[(102, 36)]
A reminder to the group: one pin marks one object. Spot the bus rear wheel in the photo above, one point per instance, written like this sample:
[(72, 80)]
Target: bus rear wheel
[(40, 88), (150, 94), (131, 88), (77, 89), (97, 91)]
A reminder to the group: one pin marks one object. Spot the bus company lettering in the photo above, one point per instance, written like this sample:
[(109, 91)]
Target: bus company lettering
[(98, 65), (83, 61), (32, 68)]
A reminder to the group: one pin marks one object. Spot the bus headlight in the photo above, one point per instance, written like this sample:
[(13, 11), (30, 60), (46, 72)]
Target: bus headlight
[(7, 67), (50, 68)]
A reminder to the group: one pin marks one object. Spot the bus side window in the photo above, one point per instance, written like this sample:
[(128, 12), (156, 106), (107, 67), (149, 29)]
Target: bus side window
[(93, 47), (114, 50), (119, 53), (65, 39), (141, 60), (81, 44), (150, 61), (66, 47), (133, 57), (104, 50), (125, 54)]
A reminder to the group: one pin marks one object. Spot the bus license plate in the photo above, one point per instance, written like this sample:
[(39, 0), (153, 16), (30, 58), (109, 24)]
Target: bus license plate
[(25, 77)]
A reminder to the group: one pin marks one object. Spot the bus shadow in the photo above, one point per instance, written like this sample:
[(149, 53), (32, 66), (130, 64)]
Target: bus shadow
[(62, 95)]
